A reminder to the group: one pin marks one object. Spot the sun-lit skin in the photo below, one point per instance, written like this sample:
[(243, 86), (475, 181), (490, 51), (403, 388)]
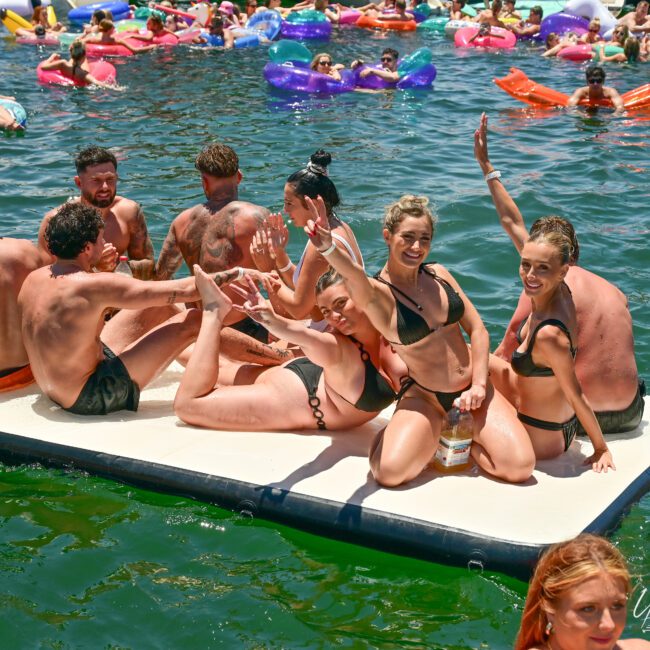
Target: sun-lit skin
[(591, 616), (295, 207), (541, 270), (340, 311), (410, 242)]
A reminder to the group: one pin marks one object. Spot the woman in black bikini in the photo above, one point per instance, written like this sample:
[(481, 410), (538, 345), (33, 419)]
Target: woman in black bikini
[(420, 309), (347, 377), (542, 374)]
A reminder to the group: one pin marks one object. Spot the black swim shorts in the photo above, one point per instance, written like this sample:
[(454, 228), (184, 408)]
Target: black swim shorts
[(622, 421)]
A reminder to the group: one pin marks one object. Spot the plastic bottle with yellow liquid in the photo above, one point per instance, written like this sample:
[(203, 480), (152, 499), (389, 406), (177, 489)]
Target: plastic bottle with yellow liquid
[(455, 443)]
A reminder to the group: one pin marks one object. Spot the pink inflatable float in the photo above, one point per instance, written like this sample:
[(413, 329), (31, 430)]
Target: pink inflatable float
[(498, 37), (580, 52), (101, 70)]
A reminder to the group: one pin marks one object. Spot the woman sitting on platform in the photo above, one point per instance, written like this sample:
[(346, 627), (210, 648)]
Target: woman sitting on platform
[(347, 377), (420, 309)]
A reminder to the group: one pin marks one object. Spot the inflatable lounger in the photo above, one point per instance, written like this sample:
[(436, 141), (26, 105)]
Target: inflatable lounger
[(519, 86), (319, 481)]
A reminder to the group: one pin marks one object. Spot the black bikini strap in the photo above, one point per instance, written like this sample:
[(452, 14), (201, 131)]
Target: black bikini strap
[(557, 323), (362, 351), (394, 288)]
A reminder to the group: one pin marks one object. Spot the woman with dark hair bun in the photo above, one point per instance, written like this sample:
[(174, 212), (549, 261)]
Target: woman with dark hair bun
[(297, 291)]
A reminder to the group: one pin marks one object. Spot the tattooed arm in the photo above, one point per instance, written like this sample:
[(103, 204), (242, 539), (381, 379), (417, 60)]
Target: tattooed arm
[(241, 347), (140, 247), (170, 257)]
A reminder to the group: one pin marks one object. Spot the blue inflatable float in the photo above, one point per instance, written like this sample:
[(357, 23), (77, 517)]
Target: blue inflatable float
[(120, 11), (18, 112), (415, 71), (305, 25), (267, 23)]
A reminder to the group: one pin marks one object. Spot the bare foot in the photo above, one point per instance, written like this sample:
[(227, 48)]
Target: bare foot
[(213, 298)]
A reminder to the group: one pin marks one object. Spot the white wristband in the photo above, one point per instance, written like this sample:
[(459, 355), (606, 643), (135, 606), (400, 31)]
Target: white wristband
[(286, 268), (328, 251), (495, 173), (240, 273)]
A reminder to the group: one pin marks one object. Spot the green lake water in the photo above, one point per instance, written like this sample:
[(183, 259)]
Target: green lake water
[(90, 563)]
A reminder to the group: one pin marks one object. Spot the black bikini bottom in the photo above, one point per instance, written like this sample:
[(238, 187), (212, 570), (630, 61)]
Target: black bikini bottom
[(309, 374), (446, 399), (568, 428), (252, 328), (624, 420)]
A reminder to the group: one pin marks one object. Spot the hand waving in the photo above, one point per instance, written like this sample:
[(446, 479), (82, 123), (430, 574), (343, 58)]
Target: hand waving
[(255, 305), (318, 228)]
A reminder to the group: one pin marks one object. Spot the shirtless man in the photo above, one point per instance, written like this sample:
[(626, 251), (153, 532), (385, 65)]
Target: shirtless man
[(605, 363), (125, 230), (637, 21), (18, 258), (216, 234), (388, 71), (492, 16), (531, 26), (595, 91)]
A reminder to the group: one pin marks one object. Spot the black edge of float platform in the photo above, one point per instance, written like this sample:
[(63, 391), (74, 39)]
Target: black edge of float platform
[(345, 522)]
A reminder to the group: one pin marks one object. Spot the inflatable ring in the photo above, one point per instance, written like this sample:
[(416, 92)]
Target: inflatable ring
[(580, 52), (519, 86), (610, 50), (305, 80), (393, 25), (83, 14), (49, 40), (591, 9), (268, 23), (436, 24), (349, 16), (101, 70), (497, 38), (19, 113), (243, 38), (562, 23), (453, 26), (306, 24), (421, 12)]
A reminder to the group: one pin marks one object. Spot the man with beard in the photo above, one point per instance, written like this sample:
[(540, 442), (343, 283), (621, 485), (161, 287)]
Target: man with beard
[(125, 229)]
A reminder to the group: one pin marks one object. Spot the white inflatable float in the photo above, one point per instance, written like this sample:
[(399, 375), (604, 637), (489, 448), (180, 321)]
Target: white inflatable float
[(319, 481), (591, 9)]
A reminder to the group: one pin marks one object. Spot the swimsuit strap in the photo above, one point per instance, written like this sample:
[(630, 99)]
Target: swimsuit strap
[(557, 323), (422, 268)]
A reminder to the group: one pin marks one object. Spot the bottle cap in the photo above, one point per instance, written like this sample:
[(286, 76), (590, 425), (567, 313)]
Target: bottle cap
[(124, 258)]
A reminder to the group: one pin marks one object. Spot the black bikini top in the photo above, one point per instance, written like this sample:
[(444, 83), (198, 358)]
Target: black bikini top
[(522, 362), (411, 327), (377, 393)]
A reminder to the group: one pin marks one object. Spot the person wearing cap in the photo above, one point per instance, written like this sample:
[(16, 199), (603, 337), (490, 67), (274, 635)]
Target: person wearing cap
[(230, 18), (595, 91)]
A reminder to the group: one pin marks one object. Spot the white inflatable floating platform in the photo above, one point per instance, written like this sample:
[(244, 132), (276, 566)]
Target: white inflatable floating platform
[(319, 481)]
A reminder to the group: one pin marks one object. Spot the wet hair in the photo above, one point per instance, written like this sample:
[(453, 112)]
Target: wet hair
[(550, 38), (39, 30), (98, 16), (327, 280), (156, 18), (391, 52), (37, 16), (632, 48), (91, 156), (314, 62), (71, 228), (217, 160), (562, 568), (557, 240), (537, 10), (216, 22), (320, 5), (313, 181), (554, 223), (496, 6), (408, 206), (77, 50), (106, 25), (595, 70), (625, 33), (401, 4)]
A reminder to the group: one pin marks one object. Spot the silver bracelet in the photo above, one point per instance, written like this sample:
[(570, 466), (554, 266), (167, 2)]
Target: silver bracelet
[(328, 251), (286, 268), (495, 173)]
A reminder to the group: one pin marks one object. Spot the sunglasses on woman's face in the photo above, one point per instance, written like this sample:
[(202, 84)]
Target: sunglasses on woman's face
[(594, 31), (324, 63)]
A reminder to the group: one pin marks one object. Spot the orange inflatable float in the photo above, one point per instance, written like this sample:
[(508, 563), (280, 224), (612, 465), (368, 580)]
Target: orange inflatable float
[(396, 25), (519, 86)]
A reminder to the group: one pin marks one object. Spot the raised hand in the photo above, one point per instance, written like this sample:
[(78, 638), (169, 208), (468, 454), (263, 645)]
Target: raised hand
[(277, 232), (108, 260), (255, 305), (480, 143), (318, 228), (260, 251)]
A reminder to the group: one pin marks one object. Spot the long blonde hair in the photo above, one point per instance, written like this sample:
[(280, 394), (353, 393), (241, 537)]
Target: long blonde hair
[(562, 568)]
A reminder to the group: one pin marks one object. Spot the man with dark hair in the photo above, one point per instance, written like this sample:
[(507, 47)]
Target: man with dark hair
[(604, 363), (218, 233), (388, 70), (63, 308), (531, 26), (18, 258), (124, 223), (595, 90)]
